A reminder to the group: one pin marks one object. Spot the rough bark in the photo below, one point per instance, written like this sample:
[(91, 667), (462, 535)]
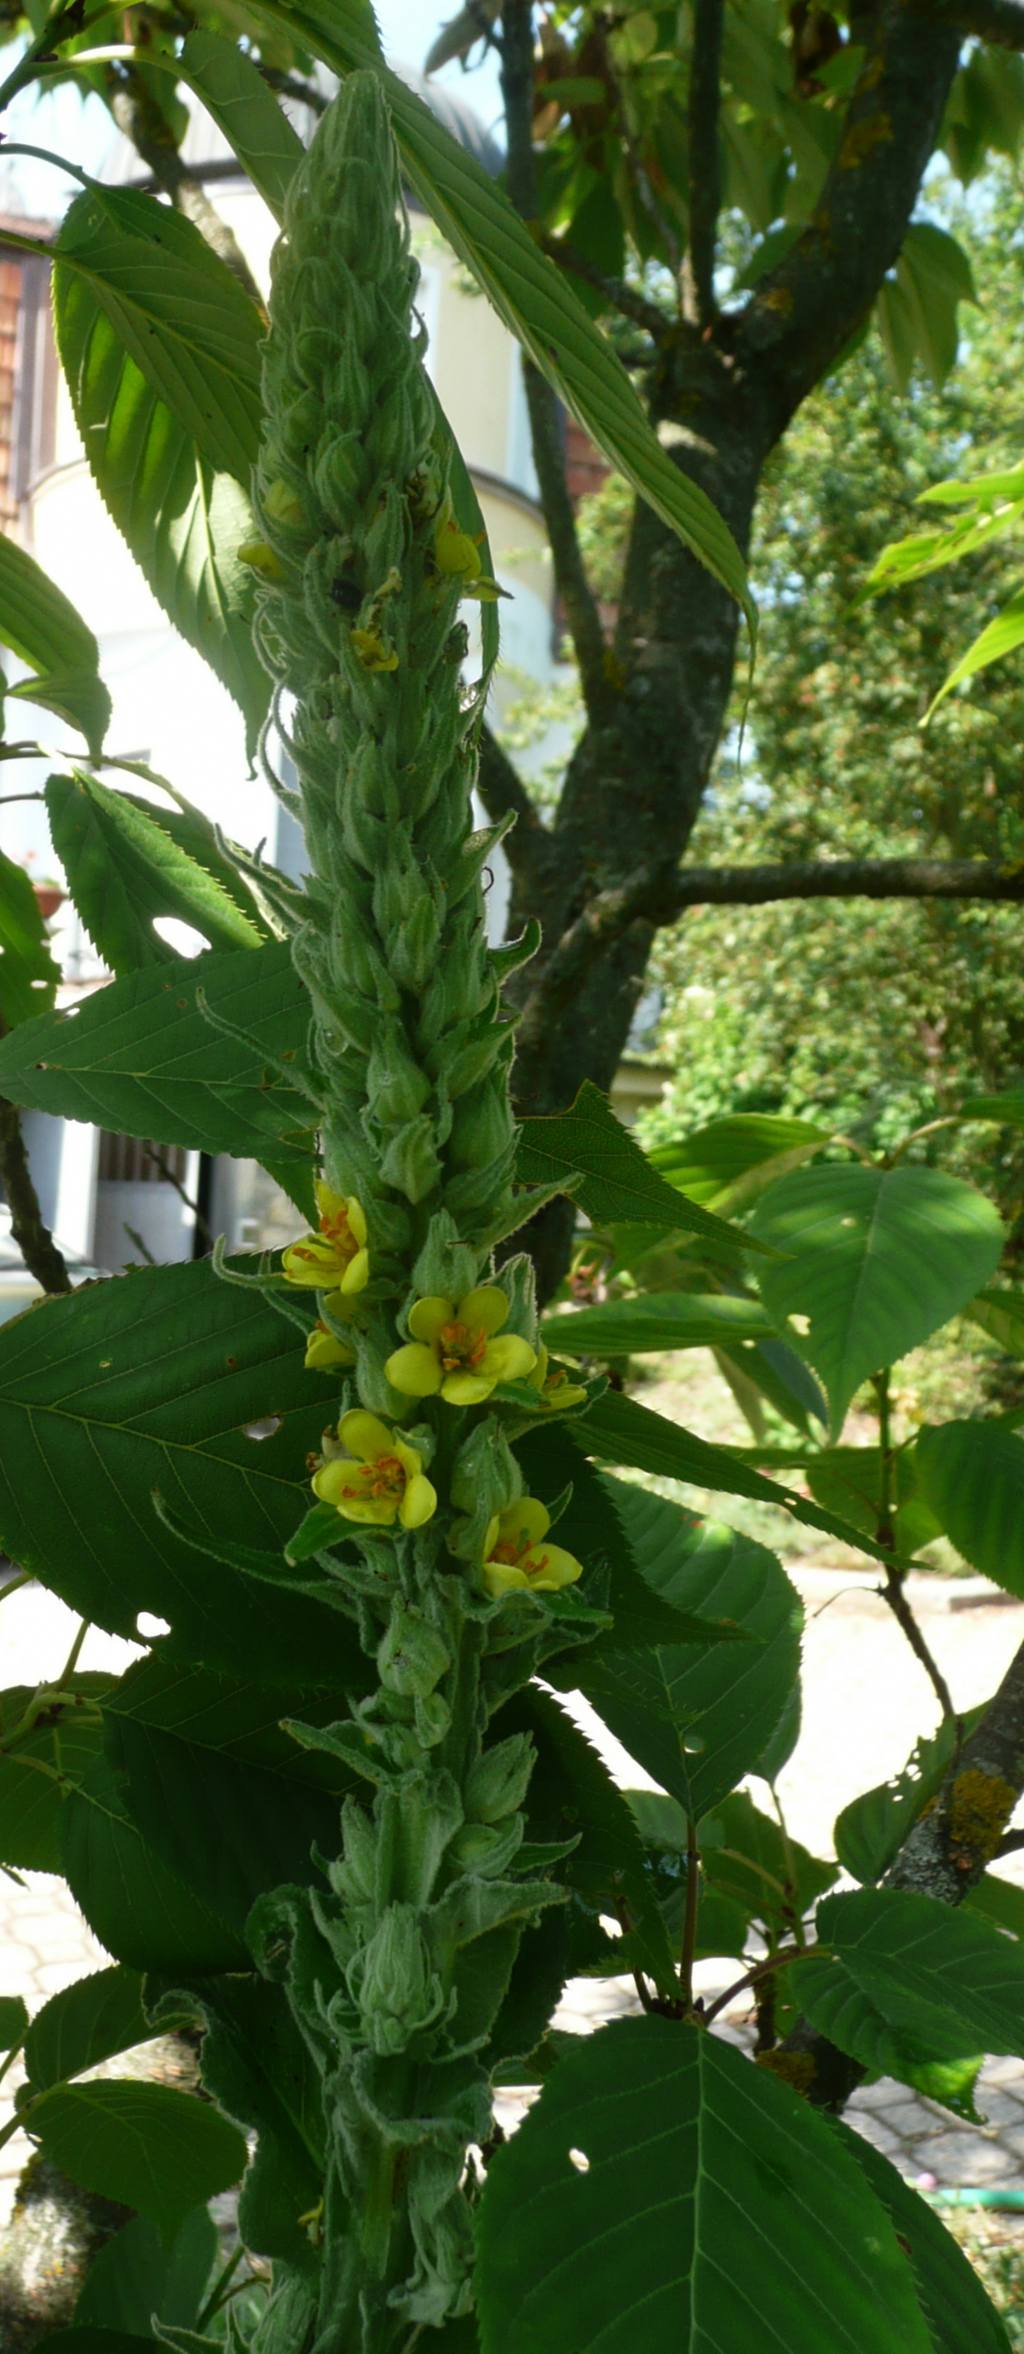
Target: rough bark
[(602, 877)]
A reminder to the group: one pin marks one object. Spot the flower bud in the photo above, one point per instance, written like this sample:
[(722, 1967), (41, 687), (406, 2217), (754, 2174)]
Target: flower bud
[(482, 1125), (498, 1782), (394, 1984), (446, 1267), (432, 1718), (485, 1848), (411, 1164), (412, 1658), (396, 1089)]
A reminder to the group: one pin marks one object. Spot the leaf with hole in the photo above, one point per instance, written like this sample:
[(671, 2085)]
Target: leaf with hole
[(609, 2221), (124, 871), (140, 1058), (872, 1261)]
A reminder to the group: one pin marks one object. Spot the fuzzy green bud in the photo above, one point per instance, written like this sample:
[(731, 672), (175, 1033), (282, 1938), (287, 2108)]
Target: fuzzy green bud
[(398, 1991), (499, 1781), (411, 1658), (411, 1163), (487, 1848)]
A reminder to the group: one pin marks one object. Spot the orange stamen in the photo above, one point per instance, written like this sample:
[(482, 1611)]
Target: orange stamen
[(384, 1477), (462, 1349)]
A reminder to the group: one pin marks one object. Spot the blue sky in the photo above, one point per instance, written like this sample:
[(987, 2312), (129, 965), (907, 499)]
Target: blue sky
[(59, 121)]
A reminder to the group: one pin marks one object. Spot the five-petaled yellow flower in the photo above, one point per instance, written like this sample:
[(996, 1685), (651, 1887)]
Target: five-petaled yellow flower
[(454, 1351), (516, 1556), (553, 1382), (336, 1259), (380, 1480), (324, 1350)]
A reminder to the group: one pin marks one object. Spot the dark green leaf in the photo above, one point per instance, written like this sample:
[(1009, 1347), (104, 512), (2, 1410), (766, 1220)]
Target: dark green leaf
[(679, 2137), (618, 1182), (84, 2024), (655, 1320), (259, 2068), (160, 347), (201, 841), (140, 1911), (909, 1969), (1002, 1111), (140, 1059), (13, 2021), (159, 2151), (848, 1480), (875, 1260), (972, 1476), (1000, 1901), (69, 1740), (698, 1718), (619, 1430), (42, 627), (195, 1747), (135, 2277), (28, 974), (572, 1795), (165, 1379), (94, 2341), (124, 871), (746, 1857), (954, 2304)]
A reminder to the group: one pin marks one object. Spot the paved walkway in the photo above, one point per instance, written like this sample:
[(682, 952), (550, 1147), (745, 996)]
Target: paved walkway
[(866, 1700)]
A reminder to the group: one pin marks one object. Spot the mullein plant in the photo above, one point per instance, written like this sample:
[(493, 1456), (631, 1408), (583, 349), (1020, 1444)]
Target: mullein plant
[(396, 1966)]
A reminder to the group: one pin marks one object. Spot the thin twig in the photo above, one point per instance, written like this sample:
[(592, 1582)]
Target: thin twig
[(894, 1592), (619, 295), (775, 1961), (34, 1240), (689, 1945), (203, 1226)]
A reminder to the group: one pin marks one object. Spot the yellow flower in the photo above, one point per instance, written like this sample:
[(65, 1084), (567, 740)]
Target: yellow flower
[(323, 1348), (554, 1384), (375, 652), (336, 1258), (456, 554), (379, 1480), (262, 558), (515, 1555), (453, 1350)]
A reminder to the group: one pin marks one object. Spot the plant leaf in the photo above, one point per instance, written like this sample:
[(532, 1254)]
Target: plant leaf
[(653, 1321), (908, 1971), (876, 1260), (160, 347), (955, 2306), (96, 1413), (619, 1430), (618, 1180), (124, 871), (42, 627), (972, 1476), (140, 1058), (28, 974), (679, 2135), (141, 1912), (84, 2024), (157, 2150), (732, 1159), (31, 1802), (697, 1717), (135, 2276)]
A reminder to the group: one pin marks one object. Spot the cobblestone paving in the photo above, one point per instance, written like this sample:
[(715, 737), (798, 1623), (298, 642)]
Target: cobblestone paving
[(865, 1702)]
